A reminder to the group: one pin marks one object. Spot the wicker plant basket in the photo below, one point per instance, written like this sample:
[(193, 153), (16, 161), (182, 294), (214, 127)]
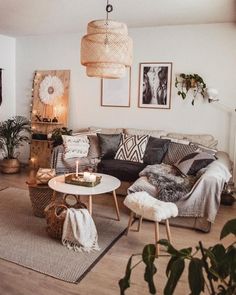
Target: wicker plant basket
[(40, 198), (56, 213)]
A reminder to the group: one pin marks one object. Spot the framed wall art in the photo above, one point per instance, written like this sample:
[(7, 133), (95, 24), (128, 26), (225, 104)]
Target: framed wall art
[(155, 85), (116, 92)]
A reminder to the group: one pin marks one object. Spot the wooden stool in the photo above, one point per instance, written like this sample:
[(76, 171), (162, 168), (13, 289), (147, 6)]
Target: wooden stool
[(144, 205)]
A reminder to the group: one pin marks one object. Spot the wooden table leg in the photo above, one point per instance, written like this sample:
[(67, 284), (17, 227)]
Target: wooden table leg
[(90, 205), (116, 205), (140, 223)]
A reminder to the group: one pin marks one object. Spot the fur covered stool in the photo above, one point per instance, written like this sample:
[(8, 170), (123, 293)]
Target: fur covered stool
[(144, 205)]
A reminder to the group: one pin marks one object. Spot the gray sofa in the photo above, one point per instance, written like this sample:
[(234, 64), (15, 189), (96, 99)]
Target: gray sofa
[(206, 193)]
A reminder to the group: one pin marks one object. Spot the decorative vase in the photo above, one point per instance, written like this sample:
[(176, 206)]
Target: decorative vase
[(10, 166)]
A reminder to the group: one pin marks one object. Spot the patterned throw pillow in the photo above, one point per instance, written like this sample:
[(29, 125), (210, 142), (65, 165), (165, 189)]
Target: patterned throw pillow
[(75, 146), (132, 148), (192, 163), (177, 151)]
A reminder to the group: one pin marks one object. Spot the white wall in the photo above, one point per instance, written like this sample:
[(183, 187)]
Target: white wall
[(7, 62), (208, 50)]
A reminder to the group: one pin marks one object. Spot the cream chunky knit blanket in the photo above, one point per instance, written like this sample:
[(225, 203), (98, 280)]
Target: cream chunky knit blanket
[(79, 231)]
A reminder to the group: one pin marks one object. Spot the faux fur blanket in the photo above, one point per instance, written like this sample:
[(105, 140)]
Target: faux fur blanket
[(170, 185), (79, 231)]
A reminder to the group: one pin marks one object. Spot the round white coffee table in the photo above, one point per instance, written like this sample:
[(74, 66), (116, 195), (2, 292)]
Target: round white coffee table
[(108, 184)]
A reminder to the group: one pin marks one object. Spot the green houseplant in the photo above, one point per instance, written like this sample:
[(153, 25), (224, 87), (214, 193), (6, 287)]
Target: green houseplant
[(13, 132), (210, 269), (57, 135), (190, 81)]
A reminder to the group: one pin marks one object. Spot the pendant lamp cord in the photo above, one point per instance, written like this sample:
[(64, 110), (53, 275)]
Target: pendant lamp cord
[(109, 9)]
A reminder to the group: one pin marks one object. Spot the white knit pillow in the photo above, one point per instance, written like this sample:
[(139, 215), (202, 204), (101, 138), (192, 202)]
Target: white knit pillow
[(75, 146)]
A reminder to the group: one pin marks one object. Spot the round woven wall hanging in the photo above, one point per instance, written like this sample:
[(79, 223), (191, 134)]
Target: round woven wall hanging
[(50, 89)]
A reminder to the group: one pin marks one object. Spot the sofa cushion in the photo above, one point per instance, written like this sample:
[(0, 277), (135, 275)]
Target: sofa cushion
[(155, 150), (108, 144), (75, 146), (203, 139), (106, 130), (192, 163), (154, 133), (177, 151), (132, 148), (123, 170), (94, 149)]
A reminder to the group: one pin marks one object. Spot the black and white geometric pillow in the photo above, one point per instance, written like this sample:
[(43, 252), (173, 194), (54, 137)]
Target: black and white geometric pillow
[(132, 148), (176, 151), (192, 163)]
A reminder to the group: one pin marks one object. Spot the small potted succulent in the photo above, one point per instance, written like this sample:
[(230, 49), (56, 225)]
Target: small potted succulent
[(13, 132)]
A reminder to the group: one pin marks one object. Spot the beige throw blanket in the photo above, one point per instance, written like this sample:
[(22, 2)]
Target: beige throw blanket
[(79, 231)]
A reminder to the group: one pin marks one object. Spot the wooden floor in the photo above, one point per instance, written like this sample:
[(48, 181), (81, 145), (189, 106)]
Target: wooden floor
[(103, 278)]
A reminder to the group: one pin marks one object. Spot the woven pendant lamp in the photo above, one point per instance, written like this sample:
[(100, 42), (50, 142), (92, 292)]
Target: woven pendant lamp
[(106, 50)]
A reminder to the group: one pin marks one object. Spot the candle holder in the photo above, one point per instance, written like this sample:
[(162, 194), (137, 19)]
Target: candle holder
[(80, 180)]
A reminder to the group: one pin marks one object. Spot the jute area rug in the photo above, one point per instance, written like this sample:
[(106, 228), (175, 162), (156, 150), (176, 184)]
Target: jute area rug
[(24, 240)]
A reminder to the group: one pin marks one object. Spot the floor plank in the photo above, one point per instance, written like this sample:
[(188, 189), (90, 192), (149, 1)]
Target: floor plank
[(103, 278)]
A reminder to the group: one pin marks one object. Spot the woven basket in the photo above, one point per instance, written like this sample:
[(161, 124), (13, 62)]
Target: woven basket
[(56, 214), (40, 199)]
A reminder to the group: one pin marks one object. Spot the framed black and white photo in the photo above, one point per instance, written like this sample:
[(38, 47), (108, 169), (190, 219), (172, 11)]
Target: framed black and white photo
[(116, 92), (155, 85)]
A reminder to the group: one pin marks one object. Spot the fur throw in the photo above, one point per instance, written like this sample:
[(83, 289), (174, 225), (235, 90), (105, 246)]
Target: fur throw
[(170, 184)]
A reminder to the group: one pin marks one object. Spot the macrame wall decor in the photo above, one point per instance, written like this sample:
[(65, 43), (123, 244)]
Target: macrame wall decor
[(1, 86)]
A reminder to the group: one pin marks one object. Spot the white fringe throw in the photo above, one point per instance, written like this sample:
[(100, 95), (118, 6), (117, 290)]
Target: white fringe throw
[(79, 231)]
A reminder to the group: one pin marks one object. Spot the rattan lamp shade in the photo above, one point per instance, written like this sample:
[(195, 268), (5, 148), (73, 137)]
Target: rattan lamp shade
[(107, 49)]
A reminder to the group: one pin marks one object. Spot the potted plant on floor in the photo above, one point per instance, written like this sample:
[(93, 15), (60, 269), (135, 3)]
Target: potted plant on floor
[(211, 269), (13, 132)]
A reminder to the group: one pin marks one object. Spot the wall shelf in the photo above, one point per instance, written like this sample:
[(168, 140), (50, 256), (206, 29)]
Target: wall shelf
[(47, 123)]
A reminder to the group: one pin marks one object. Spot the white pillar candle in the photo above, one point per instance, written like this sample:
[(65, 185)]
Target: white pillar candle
[(86, 176), (92, 178), (77, 169)]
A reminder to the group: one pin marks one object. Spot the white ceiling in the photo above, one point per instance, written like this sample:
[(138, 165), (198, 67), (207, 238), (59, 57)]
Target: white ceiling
[(37, 17)]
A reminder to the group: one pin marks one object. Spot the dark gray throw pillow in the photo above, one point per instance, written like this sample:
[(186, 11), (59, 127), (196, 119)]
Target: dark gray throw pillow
[(192, 163), (108, 144), (155, 150)]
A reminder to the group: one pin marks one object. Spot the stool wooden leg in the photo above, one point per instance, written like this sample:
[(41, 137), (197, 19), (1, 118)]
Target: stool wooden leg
[(168, 230), (131, 217), (90, 205), (157, 237), (140, 223)]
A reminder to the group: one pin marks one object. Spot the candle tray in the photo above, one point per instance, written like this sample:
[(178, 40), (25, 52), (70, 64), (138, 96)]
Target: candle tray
[(71, 179)]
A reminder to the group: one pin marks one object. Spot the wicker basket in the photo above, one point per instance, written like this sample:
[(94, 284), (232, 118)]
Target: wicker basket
[(56, 214), (40, 198)]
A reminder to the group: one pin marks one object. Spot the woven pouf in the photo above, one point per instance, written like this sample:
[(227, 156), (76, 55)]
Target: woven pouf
[(145, 206), (40, 198)]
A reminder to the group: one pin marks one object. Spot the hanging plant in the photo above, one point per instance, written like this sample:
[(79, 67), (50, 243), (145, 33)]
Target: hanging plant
[(188, 82)]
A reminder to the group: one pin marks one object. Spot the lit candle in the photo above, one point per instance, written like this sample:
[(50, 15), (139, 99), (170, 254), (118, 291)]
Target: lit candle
[(77, 168)]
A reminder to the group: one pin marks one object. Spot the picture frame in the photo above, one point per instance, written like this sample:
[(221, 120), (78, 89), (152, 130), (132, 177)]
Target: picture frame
[(155, 85), (116, 92)]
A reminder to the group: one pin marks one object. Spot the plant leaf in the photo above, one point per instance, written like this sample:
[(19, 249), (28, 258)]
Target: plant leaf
[(195, 276), (175, 274), (124, 283), (229, 228), (149, 255)]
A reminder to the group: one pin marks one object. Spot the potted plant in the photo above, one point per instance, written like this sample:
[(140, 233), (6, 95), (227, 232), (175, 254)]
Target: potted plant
[(57, 133), (13, 132), (190, 81), (211, 269)]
